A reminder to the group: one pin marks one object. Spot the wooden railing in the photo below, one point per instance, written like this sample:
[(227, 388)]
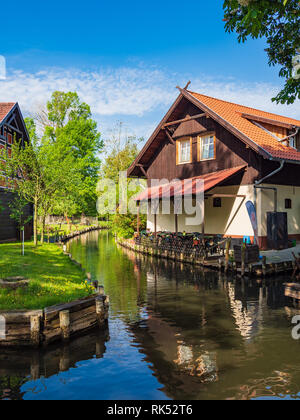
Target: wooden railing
[(183, 245)]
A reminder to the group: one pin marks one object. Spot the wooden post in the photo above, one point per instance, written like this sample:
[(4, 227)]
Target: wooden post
[(64, 320), (100, 347), (100, 290), (106, 306), (250, 270), (176, 223), (35, 366), (227, 254), (35, 327), (138, 217), (155, 225), (64, 361), (243, 260), (264, 266), (100, 310), (234, 267)]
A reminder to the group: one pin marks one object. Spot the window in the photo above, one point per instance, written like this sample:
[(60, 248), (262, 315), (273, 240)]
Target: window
[(292, 142), (184, 151), (207, 147), (288, 203)]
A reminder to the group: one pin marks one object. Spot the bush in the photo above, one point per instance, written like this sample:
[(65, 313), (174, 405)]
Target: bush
[(125, 225)]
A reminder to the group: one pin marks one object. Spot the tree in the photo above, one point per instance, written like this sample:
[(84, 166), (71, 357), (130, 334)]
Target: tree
[(38, 172), (18, 206), (278, 21), (74, 132), (121, 151)]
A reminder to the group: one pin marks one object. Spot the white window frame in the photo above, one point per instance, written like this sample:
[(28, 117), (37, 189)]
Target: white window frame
[(200, 145), (180, 142)]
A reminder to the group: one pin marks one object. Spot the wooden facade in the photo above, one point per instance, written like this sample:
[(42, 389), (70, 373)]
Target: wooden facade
[(12, 128), (262, 153), (159, 161)]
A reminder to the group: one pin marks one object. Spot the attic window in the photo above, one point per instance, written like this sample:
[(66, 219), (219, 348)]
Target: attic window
[(184, 151), (282, 132), (207, 147)]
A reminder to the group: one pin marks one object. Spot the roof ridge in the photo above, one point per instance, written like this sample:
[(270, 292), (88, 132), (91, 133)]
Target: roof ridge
[(243, 106), (5, 109)]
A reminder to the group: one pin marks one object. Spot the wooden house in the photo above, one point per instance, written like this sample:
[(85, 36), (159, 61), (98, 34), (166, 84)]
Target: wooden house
[(242, 154), (12, 127)]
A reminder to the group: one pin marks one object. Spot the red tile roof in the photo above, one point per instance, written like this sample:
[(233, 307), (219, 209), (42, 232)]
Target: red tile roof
[(233, 114), (189, 186), (5, 108)]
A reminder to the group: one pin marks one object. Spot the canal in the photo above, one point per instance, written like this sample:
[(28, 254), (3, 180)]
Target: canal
[(175, 332)]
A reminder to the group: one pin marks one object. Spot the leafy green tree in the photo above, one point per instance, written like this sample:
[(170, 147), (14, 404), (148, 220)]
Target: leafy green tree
[(38, 172), (19, 213), (64, 205), (74, 132), (279, 22)]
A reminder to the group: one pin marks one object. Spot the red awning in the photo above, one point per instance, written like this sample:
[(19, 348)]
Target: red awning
[(189, 186)]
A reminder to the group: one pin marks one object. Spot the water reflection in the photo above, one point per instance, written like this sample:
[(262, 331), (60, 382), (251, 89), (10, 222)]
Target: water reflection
[(20, 367), (176, 332), (213, 334)]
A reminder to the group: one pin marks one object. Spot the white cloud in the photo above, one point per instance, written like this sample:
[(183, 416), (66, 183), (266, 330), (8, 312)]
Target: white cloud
[(138, 96), (125, 91), (256, 95)]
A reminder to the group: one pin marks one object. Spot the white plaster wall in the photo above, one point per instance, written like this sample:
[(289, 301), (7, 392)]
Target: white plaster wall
[(231, 219), (266, 204), (166, 222)]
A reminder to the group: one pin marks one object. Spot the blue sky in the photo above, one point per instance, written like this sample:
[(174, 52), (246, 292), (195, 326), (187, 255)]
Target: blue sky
[(126, 58)]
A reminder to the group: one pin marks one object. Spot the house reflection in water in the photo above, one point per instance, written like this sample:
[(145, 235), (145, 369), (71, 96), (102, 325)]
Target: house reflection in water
[(198, 324), (191, 360)]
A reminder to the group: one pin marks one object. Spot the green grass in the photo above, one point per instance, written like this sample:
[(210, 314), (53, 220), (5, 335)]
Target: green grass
[(53, 277), (66, 229)]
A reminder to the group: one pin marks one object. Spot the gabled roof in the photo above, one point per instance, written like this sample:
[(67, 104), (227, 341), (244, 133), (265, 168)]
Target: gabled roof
[(236, 119), (238, 116), (5, 108)]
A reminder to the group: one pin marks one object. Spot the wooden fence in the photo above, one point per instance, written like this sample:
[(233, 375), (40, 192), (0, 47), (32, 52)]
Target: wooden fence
[(56, 323)]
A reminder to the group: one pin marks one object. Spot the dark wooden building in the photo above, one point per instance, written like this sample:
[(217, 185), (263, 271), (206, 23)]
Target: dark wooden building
[(242, 154), (12, 127)]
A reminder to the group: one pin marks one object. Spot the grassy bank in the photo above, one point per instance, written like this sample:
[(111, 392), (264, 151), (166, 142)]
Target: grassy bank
[(53, 277), (67, 229)]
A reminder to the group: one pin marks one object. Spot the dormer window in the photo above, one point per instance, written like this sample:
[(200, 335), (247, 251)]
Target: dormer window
[(184, 151), (283, 132)]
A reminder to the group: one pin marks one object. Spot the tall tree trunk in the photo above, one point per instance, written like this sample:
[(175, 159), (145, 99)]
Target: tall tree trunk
[(68, 223), (35, 222), (43, 229)]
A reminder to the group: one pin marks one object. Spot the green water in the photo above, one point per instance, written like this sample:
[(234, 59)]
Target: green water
[(175, 332)]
